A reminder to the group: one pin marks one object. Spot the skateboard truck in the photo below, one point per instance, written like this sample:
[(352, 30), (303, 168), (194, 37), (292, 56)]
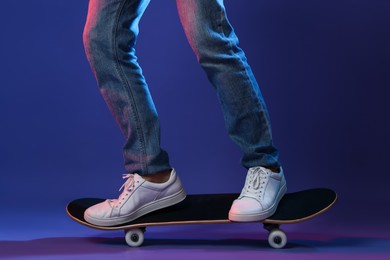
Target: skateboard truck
[(277, 238)]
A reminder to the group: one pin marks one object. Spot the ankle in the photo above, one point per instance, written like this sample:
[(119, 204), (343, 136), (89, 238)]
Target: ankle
[(158, 177), (274, 169)]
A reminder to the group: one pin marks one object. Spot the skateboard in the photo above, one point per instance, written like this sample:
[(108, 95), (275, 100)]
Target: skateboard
[(213, 208)]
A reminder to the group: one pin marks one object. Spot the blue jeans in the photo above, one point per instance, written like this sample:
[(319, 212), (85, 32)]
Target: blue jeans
[(109, 38)]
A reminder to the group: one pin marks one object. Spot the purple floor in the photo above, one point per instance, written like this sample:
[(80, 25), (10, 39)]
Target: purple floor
[(53, 235)]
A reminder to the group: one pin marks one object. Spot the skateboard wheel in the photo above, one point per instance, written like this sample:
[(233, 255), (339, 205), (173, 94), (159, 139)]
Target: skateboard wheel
[(277, 238), (134, 237)]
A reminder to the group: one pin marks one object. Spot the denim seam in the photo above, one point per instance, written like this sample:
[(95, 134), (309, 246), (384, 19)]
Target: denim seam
[(246, 70), (220, 25), (127, 88), (224, 20)]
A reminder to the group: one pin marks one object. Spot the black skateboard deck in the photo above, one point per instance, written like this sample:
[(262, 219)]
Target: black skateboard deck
[(213, 208)]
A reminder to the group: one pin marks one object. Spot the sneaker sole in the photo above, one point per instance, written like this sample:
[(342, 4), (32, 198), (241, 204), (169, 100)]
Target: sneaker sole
[(259, 216), (145, 209)]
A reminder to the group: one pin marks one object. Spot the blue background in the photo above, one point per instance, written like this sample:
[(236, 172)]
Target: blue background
[(323, 68)]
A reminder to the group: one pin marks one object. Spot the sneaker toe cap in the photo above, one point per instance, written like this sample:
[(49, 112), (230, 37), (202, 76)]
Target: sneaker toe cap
[(99, 211), (246, 205)]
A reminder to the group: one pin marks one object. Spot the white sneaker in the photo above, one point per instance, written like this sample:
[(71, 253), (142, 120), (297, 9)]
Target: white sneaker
[(138, 198), (260, 196)]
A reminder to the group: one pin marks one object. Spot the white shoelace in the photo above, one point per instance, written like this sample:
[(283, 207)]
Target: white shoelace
[(129, 182), (127, 187), (255, 185)]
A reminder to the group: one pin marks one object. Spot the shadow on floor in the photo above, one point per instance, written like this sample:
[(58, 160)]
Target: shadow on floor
[(62, 246)]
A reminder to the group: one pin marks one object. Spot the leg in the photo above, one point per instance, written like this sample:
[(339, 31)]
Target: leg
[(246, 117), (109, 37), (216, 46)]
